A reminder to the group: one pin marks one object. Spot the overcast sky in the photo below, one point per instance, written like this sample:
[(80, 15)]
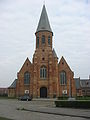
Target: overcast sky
[(70, 23)]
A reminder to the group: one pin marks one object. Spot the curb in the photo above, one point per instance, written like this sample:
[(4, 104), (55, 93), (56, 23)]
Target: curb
[(53, 113)]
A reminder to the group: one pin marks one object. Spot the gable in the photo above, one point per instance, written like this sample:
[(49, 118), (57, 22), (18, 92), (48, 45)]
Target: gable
[(26, 66), (64, 66)]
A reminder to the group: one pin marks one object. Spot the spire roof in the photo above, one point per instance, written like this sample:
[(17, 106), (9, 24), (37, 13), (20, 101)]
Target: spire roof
[(44, 24)]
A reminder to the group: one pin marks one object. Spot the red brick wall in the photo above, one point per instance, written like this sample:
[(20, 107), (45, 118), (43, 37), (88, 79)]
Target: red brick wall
[(52, 82), (63, 66)]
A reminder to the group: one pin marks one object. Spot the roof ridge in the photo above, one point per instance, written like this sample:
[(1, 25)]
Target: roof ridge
[(54, 53)]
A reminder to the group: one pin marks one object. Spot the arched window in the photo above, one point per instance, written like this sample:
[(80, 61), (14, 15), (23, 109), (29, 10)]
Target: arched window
[(26, 78), (63, 80), (48, 40), (37, 41), (43, 39), (43, 72)]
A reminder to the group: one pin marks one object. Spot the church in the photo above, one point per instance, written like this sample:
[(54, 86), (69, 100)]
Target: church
[(45, 76)]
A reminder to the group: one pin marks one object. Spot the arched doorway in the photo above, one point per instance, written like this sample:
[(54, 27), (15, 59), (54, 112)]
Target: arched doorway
[(43, 92)]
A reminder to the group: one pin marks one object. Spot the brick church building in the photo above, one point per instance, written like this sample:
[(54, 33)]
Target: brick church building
[(45, 76)]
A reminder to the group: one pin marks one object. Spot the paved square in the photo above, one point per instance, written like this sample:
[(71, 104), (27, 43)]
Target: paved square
[(39, 111)]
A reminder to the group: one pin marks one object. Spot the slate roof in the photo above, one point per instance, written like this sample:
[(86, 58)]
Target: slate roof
[(82, 83), (44, 24), (54, 53), (85, 82), (13, 85), (77, 83)]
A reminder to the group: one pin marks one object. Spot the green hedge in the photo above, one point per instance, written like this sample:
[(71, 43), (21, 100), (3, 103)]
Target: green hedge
[(73, 104), (3, 95), (83, 97), (77, 98), (63, 98)]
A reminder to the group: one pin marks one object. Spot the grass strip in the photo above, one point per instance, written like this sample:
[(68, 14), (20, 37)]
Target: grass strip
[(3, 118)]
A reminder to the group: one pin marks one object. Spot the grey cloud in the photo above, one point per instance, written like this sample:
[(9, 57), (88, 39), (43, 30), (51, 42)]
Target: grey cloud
[(70, 22)]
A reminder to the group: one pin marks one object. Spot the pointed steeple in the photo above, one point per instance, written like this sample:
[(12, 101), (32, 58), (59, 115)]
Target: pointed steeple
[(44, 24)]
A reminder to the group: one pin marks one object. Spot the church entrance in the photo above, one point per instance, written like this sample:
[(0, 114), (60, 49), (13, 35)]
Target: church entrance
[(43, 92)]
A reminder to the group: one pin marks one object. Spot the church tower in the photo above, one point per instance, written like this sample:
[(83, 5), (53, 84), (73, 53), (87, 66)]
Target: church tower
[(45, 61), (44, 77), (44, 33)]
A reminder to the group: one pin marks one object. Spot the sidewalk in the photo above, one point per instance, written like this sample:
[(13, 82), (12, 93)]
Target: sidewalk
[(83, 113)]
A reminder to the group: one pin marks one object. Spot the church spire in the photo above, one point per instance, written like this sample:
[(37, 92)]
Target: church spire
[(44, 24)]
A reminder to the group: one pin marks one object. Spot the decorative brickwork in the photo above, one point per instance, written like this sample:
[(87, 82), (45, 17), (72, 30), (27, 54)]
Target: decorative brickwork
[(44, 70)]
